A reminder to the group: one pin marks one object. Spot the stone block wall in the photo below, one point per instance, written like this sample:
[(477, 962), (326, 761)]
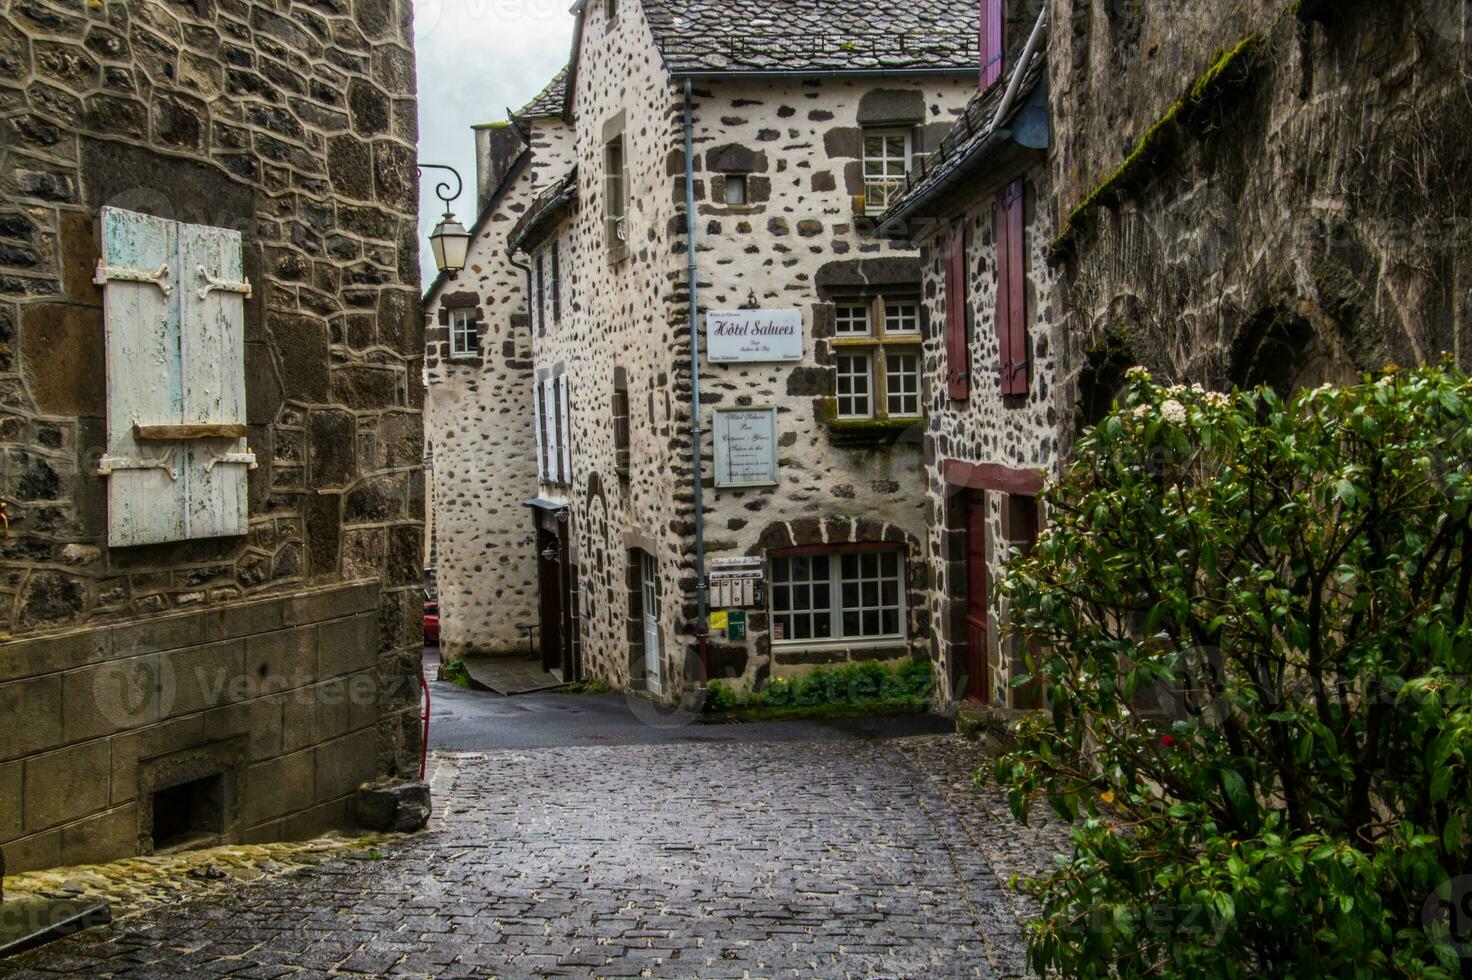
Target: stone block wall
[(293, 124), (283, 697), (1015, 432), (1301, 217)]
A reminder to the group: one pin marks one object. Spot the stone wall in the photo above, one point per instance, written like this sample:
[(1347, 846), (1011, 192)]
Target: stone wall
[(479, 416), (1300, 217), (796, 244), (283, 696), (1019, 433), (293, 124)]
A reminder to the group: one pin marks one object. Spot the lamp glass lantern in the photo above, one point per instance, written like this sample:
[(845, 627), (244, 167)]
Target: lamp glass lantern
[(450, 242)]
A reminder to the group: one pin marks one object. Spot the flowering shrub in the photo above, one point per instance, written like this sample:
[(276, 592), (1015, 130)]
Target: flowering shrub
[(1251, 617)]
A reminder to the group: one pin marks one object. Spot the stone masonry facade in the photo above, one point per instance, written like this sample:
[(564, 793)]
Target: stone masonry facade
[(477, 411), (619, 327), (1299, 214), (293, 124)]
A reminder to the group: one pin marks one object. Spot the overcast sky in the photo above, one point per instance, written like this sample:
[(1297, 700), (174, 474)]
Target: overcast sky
[(476, 58)]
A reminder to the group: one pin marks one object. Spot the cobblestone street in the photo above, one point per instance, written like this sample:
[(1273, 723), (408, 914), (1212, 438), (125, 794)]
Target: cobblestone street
[(861, 858)]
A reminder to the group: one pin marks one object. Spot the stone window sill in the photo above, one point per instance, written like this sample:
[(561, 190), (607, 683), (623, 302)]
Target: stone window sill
[(865, 433)]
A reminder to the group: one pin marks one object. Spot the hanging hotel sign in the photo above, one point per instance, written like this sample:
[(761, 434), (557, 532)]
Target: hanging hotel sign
[(753, 336), (746, 447)]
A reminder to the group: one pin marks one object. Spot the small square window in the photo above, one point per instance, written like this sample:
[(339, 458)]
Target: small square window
[(851, 320), (855, 386), (735, 188), (462, 333)]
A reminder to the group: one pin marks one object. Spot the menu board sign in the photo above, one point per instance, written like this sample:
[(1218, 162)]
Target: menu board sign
[(746, 447), (753, 336)]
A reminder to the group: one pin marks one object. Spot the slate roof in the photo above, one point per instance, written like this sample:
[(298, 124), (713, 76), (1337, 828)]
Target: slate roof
[(968, 140), (550, 101), (744, 36)]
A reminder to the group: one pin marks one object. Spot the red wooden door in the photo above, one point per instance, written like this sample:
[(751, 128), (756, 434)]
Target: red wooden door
[(977, 609)]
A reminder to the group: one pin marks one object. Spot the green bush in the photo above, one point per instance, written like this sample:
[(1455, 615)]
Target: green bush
[(454, 671), (1254, 632), (851, 684)]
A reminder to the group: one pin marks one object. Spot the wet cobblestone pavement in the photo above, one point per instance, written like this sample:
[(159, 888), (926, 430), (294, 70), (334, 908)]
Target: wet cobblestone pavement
[(840, 859)]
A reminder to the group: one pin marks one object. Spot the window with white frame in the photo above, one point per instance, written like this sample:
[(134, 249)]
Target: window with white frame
[(877, 360), (841, 595), (886, 161), (615, 200), (902, 383), (902, 316), (851, 320), (855, 383), (462, 332)]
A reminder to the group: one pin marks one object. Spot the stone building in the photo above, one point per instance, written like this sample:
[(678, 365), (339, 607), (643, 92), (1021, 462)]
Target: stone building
[(1287, 210), (811, 463), (1260, 191), (981, 208), (210, 429), (478, 368)]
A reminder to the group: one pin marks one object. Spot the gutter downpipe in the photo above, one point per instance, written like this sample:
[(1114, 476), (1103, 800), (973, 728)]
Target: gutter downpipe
[(1033, 40), (702, 584)]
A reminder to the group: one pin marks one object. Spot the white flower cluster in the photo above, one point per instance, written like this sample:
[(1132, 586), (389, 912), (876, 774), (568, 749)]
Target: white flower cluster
[(1173, 411), (1137, 373)]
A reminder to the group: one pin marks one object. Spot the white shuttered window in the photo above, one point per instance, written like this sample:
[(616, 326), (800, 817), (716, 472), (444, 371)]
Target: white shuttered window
[(174, 313)]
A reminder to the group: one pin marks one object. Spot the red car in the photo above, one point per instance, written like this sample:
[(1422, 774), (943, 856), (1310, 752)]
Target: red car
[(431, 621)]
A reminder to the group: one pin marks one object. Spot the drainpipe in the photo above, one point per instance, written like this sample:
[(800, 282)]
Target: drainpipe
[(702, 585), (1033, 41)]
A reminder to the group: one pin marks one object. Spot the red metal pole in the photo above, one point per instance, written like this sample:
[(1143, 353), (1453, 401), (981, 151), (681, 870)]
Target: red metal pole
[(424, 747)]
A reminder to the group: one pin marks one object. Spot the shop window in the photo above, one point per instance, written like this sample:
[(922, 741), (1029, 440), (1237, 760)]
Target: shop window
[(842, 595)]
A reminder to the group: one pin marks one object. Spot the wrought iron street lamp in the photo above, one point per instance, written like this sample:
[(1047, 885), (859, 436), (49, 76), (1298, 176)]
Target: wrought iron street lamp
[(449, 240)]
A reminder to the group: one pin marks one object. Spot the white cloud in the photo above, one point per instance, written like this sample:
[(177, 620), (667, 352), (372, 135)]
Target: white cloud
[(476, 58)]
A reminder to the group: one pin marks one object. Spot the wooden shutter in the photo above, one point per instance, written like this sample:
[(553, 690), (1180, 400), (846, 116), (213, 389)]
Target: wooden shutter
[(174, 309), (958, 367), (212, 339), (1012, 290), (554, 430), (566, 428), (992, 57), (146, 503), (541, 432)]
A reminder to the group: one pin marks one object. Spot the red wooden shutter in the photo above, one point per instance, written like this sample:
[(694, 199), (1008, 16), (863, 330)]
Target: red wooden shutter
[(991, 42), (958, 366), (1016, 290), (1003, 300)]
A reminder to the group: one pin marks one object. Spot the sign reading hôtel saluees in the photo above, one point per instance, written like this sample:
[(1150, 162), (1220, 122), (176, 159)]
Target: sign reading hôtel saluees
[(733, 336)]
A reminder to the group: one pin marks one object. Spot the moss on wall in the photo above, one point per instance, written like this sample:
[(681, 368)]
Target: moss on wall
[(1231, 69)]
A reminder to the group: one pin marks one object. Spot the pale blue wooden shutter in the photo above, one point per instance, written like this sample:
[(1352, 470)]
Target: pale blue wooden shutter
[(212, 317), (541, 414), (140, 272), (175, 325)]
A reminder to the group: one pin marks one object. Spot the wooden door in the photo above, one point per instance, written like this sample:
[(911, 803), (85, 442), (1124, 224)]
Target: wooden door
[(549, 588), (653, 648), (977, 608)]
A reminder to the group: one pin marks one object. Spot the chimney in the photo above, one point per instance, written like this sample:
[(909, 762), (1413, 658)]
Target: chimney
[(497, 145)]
